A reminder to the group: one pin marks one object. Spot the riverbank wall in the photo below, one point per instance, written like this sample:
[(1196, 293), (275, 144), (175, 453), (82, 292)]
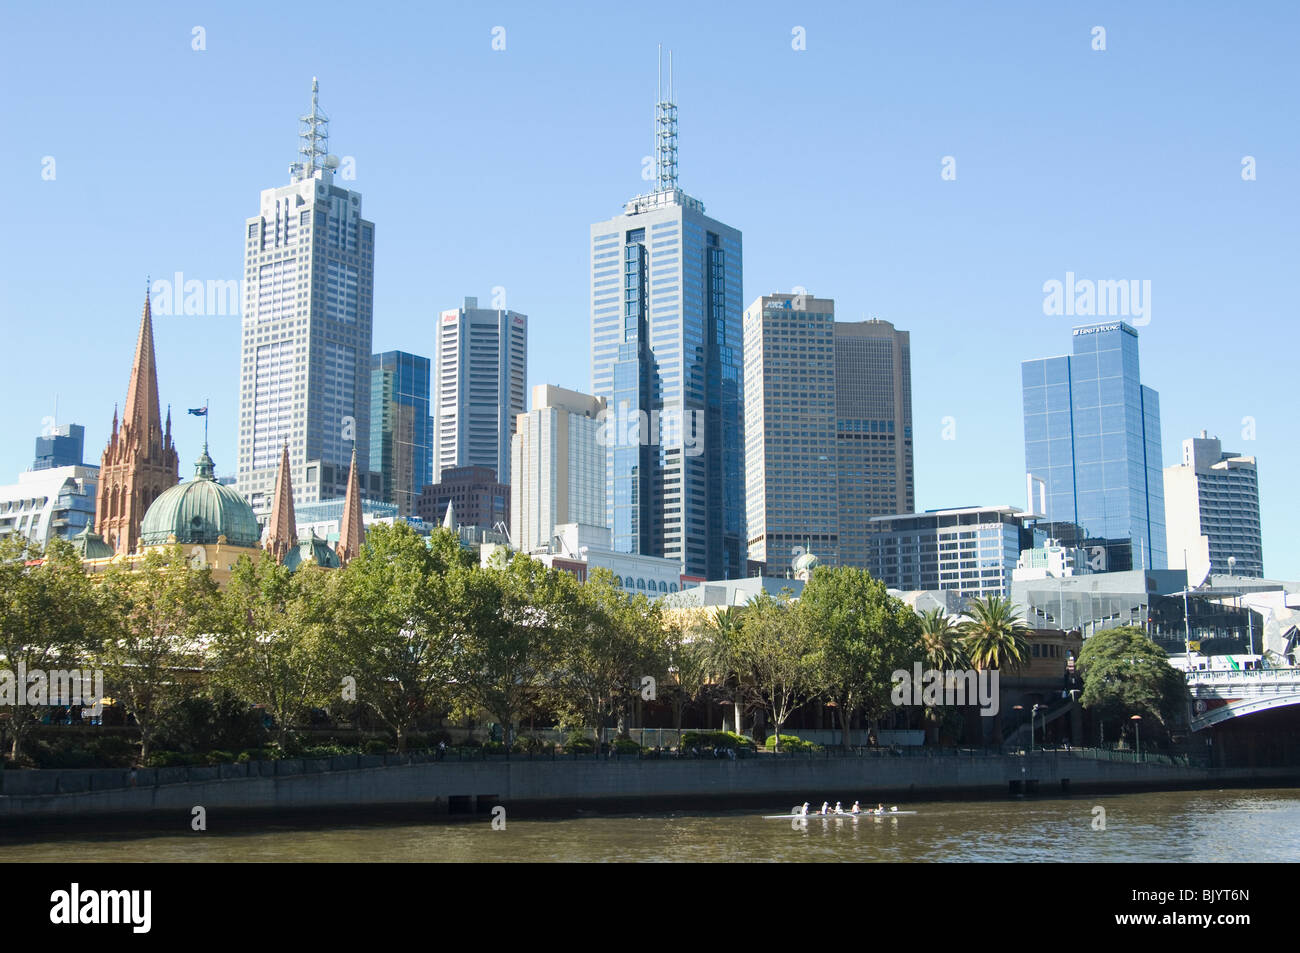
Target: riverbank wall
[(541, 786)]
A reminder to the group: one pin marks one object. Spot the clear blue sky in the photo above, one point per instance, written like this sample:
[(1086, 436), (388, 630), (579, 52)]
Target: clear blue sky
[(483, 168)]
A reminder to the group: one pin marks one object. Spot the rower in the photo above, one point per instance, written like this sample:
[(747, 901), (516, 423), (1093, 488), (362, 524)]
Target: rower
[(839, 809), (880, 808), (856, 808), (826, 808), (804, 811)]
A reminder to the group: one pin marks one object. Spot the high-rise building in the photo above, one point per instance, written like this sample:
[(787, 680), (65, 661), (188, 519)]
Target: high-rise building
[(1212, 512), (476, 496), (305, 367), (971, 550), (666, 355), (873, 431), (1092, 450), (401, 430), (140, 461), (60, 447), (558, 462), (479, 380), (791, 475)]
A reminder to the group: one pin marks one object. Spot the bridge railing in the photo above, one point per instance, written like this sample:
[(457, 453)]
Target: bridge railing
[(1259, 676)]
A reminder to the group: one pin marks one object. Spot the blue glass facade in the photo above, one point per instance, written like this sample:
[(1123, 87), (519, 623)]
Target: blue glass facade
[(60, 448), (666, 353), (401, 430), (1092, 435)]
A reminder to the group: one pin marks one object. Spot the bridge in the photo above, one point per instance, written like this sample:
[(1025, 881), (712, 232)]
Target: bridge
[(1221, 695)]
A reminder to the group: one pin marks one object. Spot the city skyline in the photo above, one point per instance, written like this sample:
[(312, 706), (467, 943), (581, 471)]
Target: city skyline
[(954, 322)]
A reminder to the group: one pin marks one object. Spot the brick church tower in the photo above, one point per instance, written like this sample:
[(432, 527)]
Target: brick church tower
[(140, 461)]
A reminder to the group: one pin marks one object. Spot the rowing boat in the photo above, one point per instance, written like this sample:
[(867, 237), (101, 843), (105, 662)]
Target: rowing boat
[(826, 817)]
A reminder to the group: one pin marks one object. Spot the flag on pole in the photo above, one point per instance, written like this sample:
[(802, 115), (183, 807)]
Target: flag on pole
[(199, 411)]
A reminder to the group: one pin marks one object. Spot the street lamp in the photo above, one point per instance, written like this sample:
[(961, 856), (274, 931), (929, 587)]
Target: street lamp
[(1033, 713), (1137, 731)]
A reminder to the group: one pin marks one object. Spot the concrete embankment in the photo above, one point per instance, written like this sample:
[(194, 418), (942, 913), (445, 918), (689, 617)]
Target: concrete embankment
[(452, 787)]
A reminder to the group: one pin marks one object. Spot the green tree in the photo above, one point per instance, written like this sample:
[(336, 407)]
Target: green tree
[(47, 621), (942, 650), (1125, 674), (508, 624), (994, 637), (612, 640), (777, 655), (690, 666), (392, 630), (941, 643), (864, 636), (159, 618), (721, 631), (272, 649)]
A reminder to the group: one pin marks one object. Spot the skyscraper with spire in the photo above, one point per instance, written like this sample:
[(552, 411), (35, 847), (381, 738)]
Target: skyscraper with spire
[(140, 461), (307, 324), (666, 355)]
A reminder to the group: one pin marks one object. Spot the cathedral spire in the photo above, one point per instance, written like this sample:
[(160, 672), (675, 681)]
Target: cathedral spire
[(351, 532), (140, 461), (283, 530), (142, 410)]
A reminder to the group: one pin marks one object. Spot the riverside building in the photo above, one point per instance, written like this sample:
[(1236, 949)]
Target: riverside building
[(970, 550)]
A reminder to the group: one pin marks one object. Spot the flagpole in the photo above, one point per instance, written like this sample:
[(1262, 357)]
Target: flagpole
[(205, 423)]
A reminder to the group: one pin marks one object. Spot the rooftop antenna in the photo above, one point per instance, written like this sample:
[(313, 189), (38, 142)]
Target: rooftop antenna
[(313, 137), (666, 131)]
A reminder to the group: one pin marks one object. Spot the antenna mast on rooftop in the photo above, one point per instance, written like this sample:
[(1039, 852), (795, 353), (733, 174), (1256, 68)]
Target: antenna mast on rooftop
[(313, 137), (665, 130)]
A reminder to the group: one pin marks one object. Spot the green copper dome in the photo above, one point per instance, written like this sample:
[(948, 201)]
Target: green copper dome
[(806, 563), (314, 550), (199, 511), (91, 545)]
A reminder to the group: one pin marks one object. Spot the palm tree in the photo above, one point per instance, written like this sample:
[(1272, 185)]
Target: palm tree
[(994, 638), (723, 628), (941, 643), (994, 635)]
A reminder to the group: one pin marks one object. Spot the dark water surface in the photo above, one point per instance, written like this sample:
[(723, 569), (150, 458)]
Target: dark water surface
[(1201, 826)]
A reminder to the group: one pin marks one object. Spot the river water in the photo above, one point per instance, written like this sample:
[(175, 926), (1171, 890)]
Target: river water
[(1201, 826)]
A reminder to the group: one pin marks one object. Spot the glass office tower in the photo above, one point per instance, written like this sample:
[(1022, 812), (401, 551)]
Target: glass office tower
[(666, 354), (401, 430), (1092, 450)]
